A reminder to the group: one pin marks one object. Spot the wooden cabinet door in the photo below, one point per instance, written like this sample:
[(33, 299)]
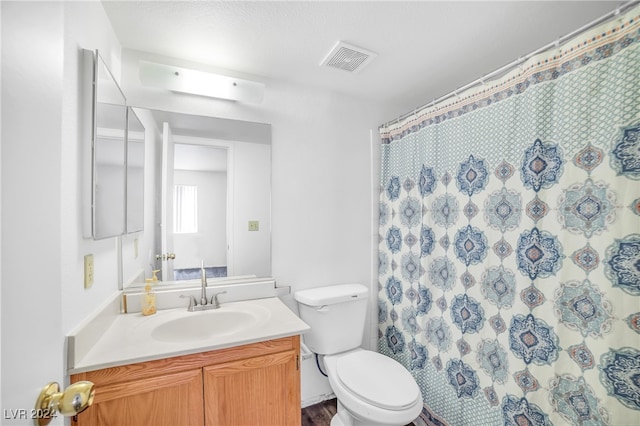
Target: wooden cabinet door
[(263, 390), (168, 400)]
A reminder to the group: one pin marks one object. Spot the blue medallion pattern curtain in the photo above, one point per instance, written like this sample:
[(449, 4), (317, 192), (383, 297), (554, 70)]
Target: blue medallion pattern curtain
[(509, 255)]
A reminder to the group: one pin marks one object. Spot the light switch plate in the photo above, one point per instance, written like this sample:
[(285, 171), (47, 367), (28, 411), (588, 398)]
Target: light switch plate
[(254, 225)]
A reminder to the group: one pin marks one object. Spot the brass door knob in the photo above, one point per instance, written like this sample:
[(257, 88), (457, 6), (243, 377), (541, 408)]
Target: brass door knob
[(76, 398), (165, 256)]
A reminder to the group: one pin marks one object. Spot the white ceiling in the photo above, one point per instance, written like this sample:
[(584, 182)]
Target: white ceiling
[(425, 48)]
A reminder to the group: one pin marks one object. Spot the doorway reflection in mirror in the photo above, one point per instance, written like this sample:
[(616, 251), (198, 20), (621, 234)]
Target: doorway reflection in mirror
[(199, 211)]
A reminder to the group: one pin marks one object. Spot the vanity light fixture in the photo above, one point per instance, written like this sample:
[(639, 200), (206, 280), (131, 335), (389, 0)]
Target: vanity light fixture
[(201, 83)]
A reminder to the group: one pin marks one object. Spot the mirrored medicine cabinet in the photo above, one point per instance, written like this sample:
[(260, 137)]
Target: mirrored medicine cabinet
[(114, 160)]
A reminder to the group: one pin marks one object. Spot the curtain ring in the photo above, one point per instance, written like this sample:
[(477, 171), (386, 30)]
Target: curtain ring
[(557, 44)]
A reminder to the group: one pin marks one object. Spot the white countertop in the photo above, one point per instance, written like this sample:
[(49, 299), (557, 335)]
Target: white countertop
[(128, 339)]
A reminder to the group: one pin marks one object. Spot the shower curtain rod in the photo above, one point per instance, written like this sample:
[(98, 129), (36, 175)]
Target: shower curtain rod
[(622, 8)]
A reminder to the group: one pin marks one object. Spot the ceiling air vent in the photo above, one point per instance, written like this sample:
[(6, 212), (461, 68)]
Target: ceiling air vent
[(348, 57)]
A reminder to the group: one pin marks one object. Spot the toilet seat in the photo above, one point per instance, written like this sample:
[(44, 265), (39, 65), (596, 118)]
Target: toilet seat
[(377, 380)]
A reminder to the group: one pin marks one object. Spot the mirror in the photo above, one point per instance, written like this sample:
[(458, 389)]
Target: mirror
[(135, 172), (214, 195), (108, 118)]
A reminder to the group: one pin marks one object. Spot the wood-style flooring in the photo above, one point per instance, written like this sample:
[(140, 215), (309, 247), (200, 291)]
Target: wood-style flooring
[(320, 414)]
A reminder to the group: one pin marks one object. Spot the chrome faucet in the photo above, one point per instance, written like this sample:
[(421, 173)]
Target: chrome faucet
[(203, 283), (215, 304), (212, 304), (204, 303)]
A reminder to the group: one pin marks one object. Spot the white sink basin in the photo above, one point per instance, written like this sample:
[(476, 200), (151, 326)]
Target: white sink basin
[(176, 326), (203, 325)]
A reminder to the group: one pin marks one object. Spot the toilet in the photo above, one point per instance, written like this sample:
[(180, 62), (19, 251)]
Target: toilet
[(371, 388)]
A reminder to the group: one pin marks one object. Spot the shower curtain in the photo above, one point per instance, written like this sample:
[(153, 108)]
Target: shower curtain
[(509, 246)]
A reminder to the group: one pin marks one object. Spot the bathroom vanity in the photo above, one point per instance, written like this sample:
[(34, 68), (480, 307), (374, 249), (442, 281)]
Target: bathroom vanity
[(239, 364), (255, 384)]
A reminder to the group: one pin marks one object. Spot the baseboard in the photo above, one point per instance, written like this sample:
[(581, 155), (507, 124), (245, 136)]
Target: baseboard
[(317, 399)]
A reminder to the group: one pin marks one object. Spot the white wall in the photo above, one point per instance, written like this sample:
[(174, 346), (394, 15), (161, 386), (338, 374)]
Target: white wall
[(85, 27), (322, 201)]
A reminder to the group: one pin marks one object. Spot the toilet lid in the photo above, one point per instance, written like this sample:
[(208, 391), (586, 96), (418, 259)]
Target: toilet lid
[(377, 379)]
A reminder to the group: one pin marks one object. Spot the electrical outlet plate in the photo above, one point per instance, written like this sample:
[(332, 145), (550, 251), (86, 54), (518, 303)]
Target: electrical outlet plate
[(88, 271)]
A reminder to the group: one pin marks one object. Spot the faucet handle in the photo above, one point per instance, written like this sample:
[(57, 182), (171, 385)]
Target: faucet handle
[(192, 302), (214, 299)]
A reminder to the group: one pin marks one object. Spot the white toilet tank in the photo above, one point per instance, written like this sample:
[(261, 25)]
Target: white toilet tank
[(336, 315)]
